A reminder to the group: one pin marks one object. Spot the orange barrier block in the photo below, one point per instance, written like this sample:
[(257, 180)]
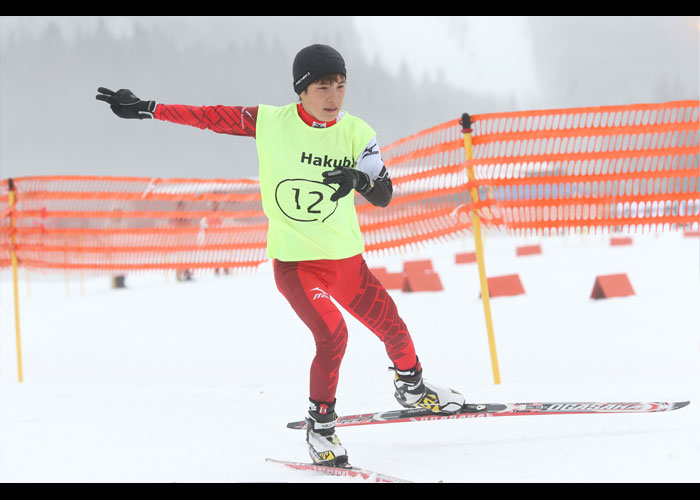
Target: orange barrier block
[(528, 250), (390, 281), (465, 257), (612, 285), (620, 241), (419, 276), (509, 284), (378, 271), (422, 281)]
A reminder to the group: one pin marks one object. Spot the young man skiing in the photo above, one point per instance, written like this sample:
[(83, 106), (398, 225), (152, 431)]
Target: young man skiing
[(312, 155)]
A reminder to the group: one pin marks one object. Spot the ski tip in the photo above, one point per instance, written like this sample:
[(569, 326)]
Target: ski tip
[(681, 404)]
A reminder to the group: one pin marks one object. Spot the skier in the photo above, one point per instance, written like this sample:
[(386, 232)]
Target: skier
[(311, 155)]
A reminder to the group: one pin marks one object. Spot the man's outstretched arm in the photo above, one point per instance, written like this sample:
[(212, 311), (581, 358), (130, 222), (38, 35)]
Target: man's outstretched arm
[(234, 120)]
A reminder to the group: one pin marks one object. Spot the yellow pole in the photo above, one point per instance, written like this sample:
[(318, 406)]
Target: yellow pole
[(18, 338), (476, 225)]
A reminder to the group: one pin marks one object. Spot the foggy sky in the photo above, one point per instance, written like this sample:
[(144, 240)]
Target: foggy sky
[(51, 124)]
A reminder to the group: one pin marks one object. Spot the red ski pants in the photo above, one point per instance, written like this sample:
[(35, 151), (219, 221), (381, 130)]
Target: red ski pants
[(309, 286)]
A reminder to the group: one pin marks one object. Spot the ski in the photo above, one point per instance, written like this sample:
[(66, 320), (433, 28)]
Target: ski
[(471, 410), (349, 471)]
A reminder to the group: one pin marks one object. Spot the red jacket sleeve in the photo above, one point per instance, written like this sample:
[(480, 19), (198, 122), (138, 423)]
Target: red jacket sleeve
[(234, 120)]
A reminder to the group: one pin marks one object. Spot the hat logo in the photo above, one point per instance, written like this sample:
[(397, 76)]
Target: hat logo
[(306, 75)]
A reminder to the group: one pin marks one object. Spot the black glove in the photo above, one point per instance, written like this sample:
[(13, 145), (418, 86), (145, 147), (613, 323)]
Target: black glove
[(347, 178), (125, 104)]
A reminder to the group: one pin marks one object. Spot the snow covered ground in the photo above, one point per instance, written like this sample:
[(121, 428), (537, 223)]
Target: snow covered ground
[(194, 382)]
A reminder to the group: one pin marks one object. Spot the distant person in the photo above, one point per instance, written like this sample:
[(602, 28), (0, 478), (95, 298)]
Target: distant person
[(119, 281), (116, 223), (312, 154), (182, 222), (215, 224)]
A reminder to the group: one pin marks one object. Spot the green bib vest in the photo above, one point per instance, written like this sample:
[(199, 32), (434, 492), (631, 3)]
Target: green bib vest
[(304, 224)]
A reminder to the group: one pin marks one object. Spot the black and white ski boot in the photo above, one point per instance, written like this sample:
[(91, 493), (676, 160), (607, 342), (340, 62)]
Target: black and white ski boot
[(324, 446), (413, 392)]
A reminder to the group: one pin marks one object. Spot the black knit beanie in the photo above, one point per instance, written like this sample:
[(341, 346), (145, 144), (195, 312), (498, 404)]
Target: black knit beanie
[(313, 62)]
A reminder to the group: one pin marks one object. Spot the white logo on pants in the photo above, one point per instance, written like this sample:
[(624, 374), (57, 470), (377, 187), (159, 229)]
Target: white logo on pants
[(321, 294)]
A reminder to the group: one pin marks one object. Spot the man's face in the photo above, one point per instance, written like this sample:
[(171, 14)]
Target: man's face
[(324, 99)]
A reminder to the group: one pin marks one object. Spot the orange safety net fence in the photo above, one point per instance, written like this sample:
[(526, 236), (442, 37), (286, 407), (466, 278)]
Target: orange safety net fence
[(613, 168), (120, 224)]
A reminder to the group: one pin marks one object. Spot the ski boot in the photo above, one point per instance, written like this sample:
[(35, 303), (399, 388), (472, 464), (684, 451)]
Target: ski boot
[(324, 446), (413, 392)]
